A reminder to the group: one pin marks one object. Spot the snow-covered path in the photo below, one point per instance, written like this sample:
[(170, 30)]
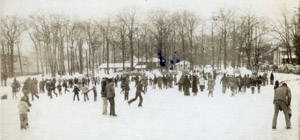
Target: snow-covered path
[(166, 114)]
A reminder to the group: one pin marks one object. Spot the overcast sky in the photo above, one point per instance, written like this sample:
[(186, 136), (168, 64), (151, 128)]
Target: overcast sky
[(100, 8), (86, 9)]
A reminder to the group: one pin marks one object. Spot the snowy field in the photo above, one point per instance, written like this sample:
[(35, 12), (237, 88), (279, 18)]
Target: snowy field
[(166, 114)]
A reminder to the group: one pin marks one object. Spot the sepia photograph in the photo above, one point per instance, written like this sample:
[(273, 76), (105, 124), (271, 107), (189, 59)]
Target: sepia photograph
[(150, 69)]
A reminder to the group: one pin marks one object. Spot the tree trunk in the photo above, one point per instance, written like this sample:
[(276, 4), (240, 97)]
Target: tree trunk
[(107, 55), (11, 59), (131, 50)]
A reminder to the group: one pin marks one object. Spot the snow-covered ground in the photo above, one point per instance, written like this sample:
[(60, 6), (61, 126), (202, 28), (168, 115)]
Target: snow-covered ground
[(166, 114)]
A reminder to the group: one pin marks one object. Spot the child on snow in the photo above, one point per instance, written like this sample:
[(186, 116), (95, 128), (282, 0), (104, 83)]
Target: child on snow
[(23, 109)]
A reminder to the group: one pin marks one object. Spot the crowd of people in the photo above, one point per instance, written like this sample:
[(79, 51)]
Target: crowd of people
[(187, 82)]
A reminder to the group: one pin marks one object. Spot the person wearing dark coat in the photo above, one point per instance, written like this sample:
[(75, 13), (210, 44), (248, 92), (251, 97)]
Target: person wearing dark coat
[(65, 86), (111, 96), (26, 91), (186, 85), (139, 90), (276, 84), (42, 86), (180, 83), (272, 78), (104, 95), (259, 82), (52, 88), (15, 87), (76, 92), (195, 83), (33, 89), (59, 88), (282, 101), (125, 88), (224, 82)]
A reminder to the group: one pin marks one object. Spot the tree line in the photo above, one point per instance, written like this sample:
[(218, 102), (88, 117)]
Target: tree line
[(226, 39)]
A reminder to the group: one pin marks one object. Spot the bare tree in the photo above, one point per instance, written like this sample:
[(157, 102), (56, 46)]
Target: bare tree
[(11, 28), (128, 17)]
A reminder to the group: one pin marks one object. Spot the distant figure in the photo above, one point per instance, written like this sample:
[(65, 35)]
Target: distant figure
[(195, 83), (282, 101), (202, 83), (186, 86), (85, 92), (111, 97), (15, 87), (59, 87), (224, 82), (23, 109), (3, 78), (210, 86), (272, 78), (104, 96), (95, 92), (76, 92), (139, 90)]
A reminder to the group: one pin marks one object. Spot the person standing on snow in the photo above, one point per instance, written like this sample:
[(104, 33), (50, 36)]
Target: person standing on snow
[(111, 97), (85, 92), (224, 81), (186, 85), (210, 85), (59, 88), (23, 110), (76, 92), (95, 92), (272, 78), (202, 83), (65, 86), (15, 87), (282, 101), (195, 83), (104, 96), (125, 88)]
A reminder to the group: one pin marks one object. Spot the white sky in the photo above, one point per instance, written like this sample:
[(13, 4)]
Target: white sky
[(100, 8)]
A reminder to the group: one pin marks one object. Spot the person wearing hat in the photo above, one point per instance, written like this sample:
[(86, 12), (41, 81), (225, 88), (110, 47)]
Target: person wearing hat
[(282, 101), (76, 92), (23, 109)]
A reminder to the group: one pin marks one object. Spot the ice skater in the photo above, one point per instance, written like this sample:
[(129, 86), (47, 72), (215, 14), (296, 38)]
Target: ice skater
[(139, 90)]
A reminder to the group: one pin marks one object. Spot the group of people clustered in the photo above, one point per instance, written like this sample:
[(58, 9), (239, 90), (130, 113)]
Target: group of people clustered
[(282, 96)]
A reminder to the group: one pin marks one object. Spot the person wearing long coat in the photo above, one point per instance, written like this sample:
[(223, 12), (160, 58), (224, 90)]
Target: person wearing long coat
[(33, 89), (210, 85), (104, 95), (111, 96), (195, 83), (180, 83), (186, 86), (272, 78), (15, 87)]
